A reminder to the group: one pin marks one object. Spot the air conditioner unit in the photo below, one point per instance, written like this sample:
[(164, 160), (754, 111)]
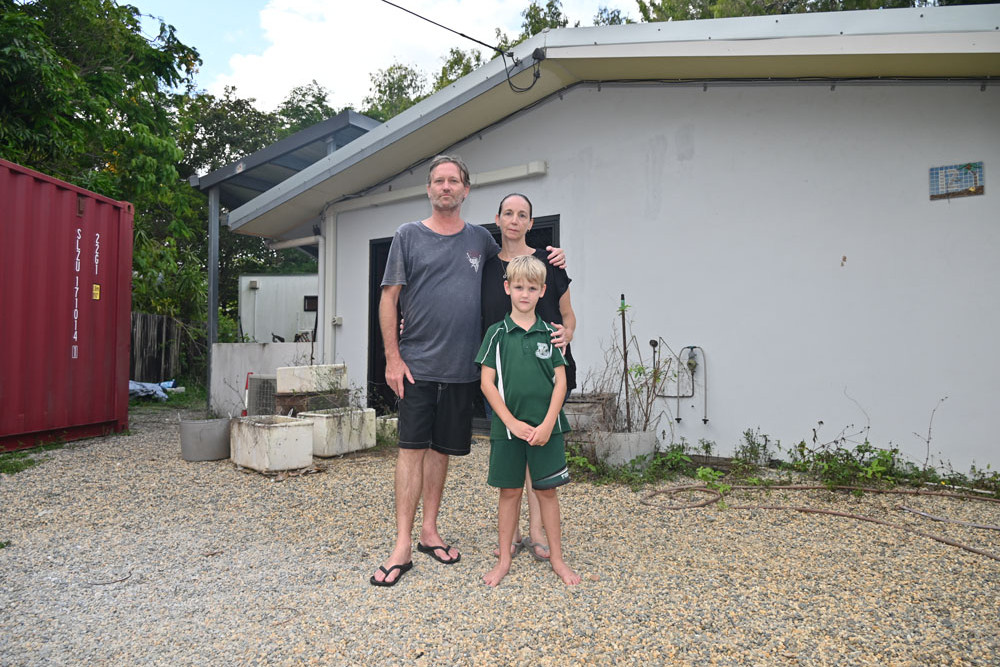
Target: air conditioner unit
[(261, 394)]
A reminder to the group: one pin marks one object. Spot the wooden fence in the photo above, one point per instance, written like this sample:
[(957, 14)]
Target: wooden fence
[(155, 354)]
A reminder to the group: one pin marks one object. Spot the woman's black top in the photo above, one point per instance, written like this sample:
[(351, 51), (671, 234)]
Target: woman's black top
[(496, 302)]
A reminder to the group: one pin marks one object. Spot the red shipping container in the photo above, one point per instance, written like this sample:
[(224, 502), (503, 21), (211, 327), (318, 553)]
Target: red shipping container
[(65, 300)]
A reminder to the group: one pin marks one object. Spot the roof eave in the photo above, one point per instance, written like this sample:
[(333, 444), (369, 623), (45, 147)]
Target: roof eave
[(841, 45)]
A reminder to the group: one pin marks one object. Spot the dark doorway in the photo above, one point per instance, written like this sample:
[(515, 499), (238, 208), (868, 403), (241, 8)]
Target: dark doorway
[(545, 232)]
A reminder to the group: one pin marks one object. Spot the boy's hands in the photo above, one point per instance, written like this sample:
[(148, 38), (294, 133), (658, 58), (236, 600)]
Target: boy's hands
[(540, 434), (520, 429), (535, 436)]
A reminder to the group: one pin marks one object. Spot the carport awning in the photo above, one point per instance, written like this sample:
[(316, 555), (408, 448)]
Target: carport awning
[(255, 174)]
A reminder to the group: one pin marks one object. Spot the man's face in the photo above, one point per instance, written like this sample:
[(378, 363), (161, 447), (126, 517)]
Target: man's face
[(446, 190)]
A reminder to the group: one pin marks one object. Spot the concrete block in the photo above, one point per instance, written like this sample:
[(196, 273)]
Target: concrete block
[(268, 443), (617, 449), (320, 378), (341, 430)]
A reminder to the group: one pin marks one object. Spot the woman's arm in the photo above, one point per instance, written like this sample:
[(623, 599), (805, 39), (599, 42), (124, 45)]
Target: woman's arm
[(563, 334)]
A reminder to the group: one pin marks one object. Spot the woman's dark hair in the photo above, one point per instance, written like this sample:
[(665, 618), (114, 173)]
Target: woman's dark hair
[(514, 194)]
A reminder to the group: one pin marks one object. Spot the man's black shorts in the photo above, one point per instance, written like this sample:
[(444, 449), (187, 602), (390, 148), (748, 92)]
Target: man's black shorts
[(437, 415)]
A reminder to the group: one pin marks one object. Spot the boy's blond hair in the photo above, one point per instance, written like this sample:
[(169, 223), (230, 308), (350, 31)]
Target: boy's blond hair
[(527, 268)]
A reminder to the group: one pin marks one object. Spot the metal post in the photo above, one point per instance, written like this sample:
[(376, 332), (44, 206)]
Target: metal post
[(213, 285)]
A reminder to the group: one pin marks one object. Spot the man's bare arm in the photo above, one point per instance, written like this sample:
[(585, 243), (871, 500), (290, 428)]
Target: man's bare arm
[(396, 370)]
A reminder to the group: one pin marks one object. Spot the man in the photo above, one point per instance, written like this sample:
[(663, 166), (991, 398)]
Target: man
[(434, 272)]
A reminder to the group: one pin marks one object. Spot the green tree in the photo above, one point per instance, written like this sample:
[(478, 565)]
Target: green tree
[(394, 89), (457, 64), (38, 89), (679, 10), (606, 16), (85, 97), (216, 131), (536, 19), (303, 107)]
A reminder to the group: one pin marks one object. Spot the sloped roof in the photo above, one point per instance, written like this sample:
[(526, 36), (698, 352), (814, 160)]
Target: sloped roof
[(255, 174), (929, 42)]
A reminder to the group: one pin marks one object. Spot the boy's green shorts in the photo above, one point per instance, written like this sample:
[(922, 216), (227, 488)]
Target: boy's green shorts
[(547, 463)]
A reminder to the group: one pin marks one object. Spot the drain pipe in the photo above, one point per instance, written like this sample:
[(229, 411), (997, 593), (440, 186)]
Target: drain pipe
[(317, 240)]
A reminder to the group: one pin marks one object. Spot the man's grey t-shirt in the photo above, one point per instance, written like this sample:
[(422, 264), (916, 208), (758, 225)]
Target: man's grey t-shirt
[(440, 299)]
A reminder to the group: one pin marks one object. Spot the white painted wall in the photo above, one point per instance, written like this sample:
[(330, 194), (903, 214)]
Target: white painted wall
[(724, 216), (276, 306), (232, 361)]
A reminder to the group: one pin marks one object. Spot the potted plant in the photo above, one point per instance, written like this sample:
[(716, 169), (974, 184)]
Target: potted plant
[(627, 393)]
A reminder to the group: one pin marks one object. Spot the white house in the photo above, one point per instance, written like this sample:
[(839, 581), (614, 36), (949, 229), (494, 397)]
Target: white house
[(278, 307), (802, 197)]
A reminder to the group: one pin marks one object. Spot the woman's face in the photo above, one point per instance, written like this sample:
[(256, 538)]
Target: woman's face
[(514, 219)]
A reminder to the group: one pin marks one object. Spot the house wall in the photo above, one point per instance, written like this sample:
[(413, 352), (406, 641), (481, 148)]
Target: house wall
[(276, 306), (784, 228), (232, 361)]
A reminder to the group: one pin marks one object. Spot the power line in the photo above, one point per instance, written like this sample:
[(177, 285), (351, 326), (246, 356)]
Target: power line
[(492, 48), (538, 55)]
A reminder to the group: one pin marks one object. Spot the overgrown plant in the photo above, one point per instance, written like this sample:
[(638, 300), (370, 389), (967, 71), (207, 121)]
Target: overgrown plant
[(642, 470), (637, 379), (838, 463), (752, 454)]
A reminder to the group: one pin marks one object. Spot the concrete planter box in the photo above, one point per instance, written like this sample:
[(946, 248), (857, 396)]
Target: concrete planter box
[(617, 449), (319, 378), (387, 428), (205, 439), (341, 430), (268, 443)]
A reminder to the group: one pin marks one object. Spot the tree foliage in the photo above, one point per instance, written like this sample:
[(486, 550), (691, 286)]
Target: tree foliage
[(606, 16), (303, 107), (85, 98), (457, 64), (681, 10), (394, 89)]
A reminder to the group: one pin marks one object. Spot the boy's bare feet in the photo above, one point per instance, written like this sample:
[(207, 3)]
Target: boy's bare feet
[(496, 575), (569, 577)]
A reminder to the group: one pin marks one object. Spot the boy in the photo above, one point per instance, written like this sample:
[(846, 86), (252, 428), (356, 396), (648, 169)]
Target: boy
[(524, 379)]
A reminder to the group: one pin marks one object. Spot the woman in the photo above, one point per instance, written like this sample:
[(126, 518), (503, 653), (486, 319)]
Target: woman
[(514, 219)]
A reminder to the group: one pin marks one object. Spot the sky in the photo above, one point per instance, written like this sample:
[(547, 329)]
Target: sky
[(267, 47)]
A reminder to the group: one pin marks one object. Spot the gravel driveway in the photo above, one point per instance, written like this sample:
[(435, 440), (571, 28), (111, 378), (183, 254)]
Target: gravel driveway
[(122, 553)]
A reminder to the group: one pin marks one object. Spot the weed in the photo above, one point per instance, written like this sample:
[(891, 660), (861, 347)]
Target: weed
[(706, 446), (751, 454), (711, 479), (15, 462), (642, 470), (5, 543)]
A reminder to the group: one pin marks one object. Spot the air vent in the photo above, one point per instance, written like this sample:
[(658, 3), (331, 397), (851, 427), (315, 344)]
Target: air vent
[(261, 399)]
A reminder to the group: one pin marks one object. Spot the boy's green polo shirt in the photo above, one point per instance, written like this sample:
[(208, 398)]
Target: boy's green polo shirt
[(526, 372)]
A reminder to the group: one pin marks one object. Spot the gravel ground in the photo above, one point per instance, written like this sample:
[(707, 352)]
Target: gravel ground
[(122, 553)]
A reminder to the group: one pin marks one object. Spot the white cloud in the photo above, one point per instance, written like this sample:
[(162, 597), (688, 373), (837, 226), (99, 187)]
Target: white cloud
[(340, 43)]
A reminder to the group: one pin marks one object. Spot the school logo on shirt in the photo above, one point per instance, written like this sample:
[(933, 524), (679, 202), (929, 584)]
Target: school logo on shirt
[(544, 351), (474, 259)]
